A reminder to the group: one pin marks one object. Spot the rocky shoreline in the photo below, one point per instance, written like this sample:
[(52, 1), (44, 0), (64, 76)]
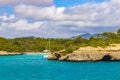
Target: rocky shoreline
[(110, 53), (4, 53)]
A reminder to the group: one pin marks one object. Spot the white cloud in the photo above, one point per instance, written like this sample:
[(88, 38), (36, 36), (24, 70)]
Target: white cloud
[(25, 25), (0, 28), (90, 14), (39, 2), (21, 25), (7, 17), (28, 2), (9, 2), (45, 13), (116, 1), (34, 12), (64, 22)]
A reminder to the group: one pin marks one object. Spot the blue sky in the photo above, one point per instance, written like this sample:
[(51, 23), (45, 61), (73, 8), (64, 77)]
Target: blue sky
[(68, 3), (58, 18), (6, 9)]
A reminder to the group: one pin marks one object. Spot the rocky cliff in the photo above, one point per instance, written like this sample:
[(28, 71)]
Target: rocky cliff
[(110, 53)]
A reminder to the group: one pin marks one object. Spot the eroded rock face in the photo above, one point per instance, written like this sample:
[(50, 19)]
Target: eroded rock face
[(91, 57), (52, 57), (111, 53), (83, 57), (56, 55), (106, 58), (115, 56)]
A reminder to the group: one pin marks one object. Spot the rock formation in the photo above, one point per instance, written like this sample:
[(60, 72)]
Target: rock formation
[(4, 53), (56, 55), (110, 53)]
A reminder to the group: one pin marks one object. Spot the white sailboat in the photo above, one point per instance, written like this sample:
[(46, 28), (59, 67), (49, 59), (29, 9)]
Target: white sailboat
[(46, 56), (47, 51)]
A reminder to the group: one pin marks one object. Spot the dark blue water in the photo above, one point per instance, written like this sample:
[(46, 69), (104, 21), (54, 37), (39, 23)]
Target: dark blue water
[(35, 67)]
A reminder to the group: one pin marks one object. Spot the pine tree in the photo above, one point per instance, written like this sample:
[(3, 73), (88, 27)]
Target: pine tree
[(118, 33)]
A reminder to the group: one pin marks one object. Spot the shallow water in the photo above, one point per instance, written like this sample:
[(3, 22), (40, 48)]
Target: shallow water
[(36, 67)]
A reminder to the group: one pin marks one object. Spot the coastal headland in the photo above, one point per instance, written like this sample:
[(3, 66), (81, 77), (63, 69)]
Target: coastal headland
[(101, 46), (110, 53)]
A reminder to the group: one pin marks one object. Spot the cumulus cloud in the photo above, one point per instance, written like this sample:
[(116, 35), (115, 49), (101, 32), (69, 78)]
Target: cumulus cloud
[(27, 2), (9, 2), (39, 2), (116, 1), (62, 21), (25, 25), (90, 14), (7, 17), (20, 24), (34, 12), (46, 13)]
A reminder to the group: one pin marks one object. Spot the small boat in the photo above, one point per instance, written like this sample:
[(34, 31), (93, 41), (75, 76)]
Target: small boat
[(46, 55), (47, 51)]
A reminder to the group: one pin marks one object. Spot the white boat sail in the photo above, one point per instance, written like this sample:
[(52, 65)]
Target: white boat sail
[(47, 50)]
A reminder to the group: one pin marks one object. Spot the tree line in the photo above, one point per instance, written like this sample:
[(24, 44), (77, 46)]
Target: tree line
[(32, 44)]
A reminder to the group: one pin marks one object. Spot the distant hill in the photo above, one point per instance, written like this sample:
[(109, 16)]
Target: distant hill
[(86, 35)]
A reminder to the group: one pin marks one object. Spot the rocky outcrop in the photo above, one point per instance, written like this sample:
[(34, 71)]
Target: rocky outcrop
[(56, 55), (83, 57), (4, 53), (115, 56), (110, 53), (52, 57)]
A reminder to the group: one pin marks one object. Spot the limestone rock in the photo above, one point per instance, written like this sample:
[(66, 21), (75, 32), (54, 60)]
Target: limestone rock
[(4, 53), (52, 57), (110, 53), (56, 55)]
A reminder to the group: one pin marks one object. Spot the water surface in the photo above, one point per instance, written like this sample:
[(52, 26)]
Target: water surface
[(36, 67)]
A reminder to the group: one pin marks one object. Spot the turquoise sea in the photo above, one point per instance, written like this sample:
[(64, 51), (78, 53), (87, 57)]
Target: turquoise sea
[(36, 67)]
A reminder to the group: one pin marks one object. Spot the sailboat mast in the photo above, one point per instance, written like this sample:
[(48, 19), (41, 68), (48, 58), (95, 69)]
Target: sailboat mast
[(49, 45)]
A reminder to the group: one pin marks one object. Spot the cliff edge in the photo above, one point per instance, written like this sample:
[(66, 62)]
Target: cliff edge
[(110, 53)]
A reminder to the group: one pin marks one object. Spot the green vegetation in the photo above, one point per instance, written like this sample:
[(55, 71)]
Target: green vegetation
[(31, 44)]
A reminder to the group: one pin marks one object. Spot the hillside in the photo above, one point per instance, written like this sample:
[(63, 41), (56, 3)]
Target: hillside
[(32, 44)]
